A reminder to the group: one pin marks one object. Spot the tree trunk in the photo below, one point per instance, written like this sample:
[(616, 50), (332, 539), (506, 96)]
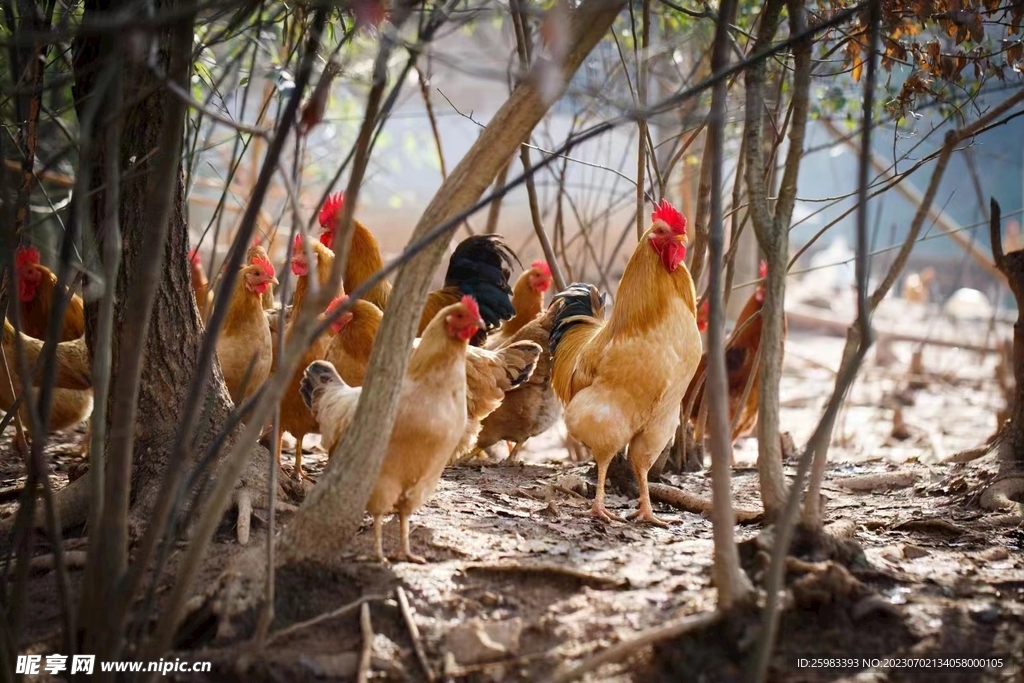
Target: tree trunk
[(169, 337), (1009, 488)]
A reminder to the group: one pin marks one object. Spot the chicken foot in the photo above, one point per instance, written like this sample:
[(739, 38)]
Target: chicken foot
[(405, 554), (598, 509), (646, 511)]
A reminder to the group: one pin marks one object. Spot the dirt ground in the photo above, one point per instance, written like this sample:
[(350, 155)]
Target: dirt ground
[(522, 583)]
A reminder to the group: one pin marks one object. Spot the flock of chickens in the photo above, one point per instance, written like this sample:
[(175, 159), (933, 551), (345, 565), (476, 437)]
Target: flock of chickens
[(491, 362)]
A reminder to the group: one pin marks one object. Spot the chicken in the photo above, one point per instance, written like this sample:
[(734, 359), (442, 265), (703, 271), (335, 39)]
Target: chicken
[(200, 285), (530, 409), (527, 299), (300, 268), (480, 266), (621, 380), (72, 396), (295, 416), (741, 351), (73, 365), (354, 334), (431, 417), (364, 257), (244, 347), (489, 374), (917, 286), (37, 289), (257, 250)]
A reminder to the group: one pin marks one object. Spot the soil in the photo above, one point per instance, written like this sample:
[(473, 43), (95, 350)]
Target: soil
[(521, 582)]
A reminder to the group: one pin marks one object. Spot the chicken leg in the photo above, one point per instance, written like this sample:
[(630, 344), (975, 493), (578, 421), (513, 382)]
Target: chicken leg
[(598, 509), (297, 472), (406, 554), (646, 512)]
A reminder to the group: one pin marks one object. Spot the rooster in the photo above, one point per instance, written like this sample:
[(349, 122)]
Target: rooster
[(621, 380), (244, 345), (528, 301), (480, 266), (431, 417), (741, 366), (257, 250), (37, 287), (364, 257), (489, 374)]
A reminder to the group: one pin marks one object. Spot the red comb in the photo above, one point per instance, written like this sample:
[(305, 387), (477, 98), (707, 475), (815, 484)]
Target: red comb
[(543, 267), (670, 216), (337, 301), (264, 263), (26, 256), (297, 246), (256, 241), (330, 209), (470, 304), (762, 269), (193, 255)]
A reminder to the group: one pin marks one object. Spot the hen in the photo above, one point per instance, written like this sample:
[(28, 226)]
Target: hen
[(244, 346), (741, 367), (431, 416), (480, 266), (295, 417), (364, 257), (621, 380), (489, 374), (528, 301), (72, 396), (37, 287), (530, 409)]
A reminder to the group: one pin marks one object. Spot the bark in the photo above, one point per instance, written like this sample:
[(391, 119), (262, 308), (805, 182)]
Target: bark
[(773, 237), (1008, 488), (733, 585), (333, 511), (170, 337)]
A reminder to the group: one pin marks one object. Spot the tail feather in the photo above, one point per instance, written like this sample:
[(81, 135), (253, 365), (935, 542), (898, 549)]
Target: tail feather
[(482, 266), (578, 303), (519, 360)]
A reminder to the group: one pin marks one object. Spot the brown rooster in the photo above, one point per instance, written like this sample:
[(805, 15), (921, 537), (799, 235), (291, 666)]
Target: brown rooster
[(621, 380), (364, 257), (741, 367)]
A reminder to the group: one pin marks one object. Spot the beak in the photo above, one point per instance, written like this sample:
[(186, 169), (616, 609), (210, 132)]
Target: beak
[(680, 238), (273, 281), (481, 324)]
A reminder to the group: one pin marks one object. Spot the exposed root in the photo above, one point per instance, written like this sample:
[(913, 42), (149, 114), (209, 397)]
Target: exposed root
[(367, 651), (972, 453), (414, 634), (883, 481), (1004, 494), (243, 500), (689, 502)]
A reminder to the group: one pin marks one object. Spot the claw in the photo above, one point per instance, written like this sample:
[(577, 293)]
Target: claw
[(408, 557), (601, 512), (647, 516)]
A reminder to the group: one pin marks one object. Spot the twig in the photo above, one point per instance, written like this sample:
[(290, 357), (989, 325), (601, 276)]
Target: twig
[(641, 121), (320, 618), (628, 648), (592, 580), (367, 652), (524, 49), (786, 523), (691, 502), (414, 633)]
